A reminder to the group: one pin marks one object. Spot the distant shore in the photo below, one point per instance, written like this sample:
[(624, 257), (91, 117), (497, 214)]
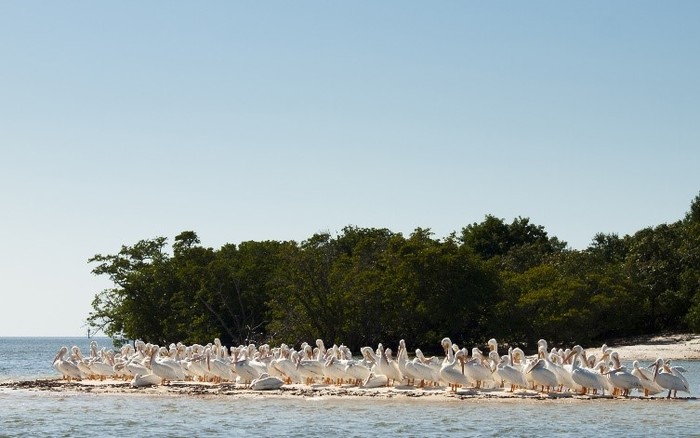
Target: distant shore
[(648, 348)]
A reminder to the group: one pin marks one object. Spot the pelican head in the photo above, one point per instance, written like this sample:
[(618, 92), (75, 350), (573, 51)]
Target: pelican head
[(446, 345), (493, 345)]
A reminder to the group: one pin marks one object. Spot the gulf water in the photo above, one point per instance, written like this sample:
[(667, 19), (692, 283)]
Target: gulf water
[(38, 413)]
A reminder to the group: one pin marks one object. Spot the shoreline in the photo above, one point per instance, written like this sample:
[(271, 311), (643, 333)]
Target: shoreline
[(316, 391)]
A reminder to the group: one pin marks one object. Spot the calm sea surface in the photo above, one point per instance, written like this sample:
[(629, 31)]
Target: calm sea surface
[(34, 413)]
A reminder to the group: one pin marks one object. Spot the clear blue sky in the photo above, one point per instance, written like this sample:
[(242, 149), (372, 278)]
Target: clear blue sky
[(251, 120)]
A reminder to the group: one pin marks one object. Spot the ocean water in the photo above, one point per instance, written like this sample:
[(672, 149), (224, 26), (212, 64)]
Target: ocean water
[(35, 413)]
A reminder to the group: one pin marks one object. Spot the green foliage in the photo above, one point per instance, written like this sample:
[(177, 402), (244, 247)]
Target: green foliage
[(366, 285)]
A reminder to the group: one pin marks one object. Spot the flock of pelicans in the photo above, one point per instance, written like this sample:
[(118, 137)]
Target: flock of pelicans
[(262, 367)]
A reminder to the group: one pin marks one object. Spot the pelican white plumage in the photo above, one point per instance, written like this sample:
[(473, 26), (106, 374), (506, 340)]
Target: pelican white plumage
[(68, 369), (195, 362), (286, 364), (310, 368), (102, 365), (522, 362), (646, 379), (563, 376), (256, 360), (495, 360), (493, 345), (622, 380), (388, 368), (266, 382), (451, 375), (510, 374), (667, 380), (415, 369), (375, 381), (134, 366), (542, 376), (140, 381), (169, 357), (676, 371), (602, 374), (165, 372), (357, 371), (334, 371), (581, 375), (241, 366), (433, 363), (406, 366), (477, 370), (446, 344), (218, 367), (80, 361)]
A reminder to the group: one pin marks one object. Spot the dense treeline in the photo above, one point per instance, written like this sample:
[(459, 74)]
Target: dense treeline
[(511, 281)]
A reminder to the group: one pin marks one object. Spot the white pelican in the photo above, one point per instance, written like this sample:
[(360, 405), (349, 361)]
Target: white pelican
[(510, 374), (621, 379), (311, 368), (493, 345), (243, 368), (477, 370), (375, 381), (80, 362), (266, 382), (602, 375), (405, 366), (286, 364), (667, 380), (102, 365), (165, 372), (584, 377), (389, 369), (433, 363), (415, 369), (145, 380), (256, 360), (451, 375), (542, 376), (646, 380), (134, 366), (447, 346), (218, 367), (676, 371), (563, 376), (68, 369), (166, 359), (334, 371), (357, 371), (522, 362), (196, 362), (495, 360)]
